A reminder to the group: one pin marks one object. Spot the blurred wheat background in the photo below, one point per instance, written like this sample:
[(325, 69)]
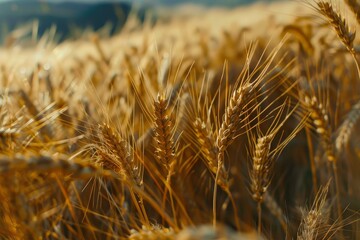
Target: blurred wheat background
[(201, 124)]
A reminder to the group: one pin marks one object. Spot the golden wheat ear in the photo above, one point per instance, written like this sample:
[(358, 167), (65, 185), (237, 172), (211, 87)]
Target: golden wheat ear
[(206, 140), (338, 23), (315, 220), (115, 154), (264, 154), (340, 26)]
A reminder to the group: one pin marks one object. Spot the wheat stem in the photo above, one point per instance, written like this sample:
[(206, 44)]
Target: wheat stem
[(259, 217)]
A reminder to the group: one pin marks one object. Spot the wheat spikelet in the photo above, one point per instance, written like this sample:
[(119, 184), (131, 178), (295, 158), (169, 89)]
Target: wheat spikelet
[(339, 24), (262, 167), (320, 119), (165, 149), (263, 156), (316, 218), (345, 129), (115, 154), (231, 119), (209, 151)]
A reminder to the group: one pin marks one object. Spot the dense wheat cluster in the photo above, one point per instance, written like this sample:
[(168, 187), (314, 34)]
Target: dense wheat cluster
[(225, 124)]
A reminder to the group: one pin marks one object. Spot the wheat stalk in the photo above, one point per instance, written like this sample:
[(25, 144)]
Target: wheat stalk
[(276, 210)]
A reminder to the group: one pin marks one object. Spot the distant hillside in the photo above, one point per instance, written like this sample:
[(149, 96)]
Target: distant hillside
[(209, 3), (223, 3), (66, 16)]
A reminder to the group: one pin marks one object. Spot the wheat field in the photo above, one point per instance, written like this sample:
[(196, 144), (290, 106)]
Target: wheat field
[(208, 124)]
